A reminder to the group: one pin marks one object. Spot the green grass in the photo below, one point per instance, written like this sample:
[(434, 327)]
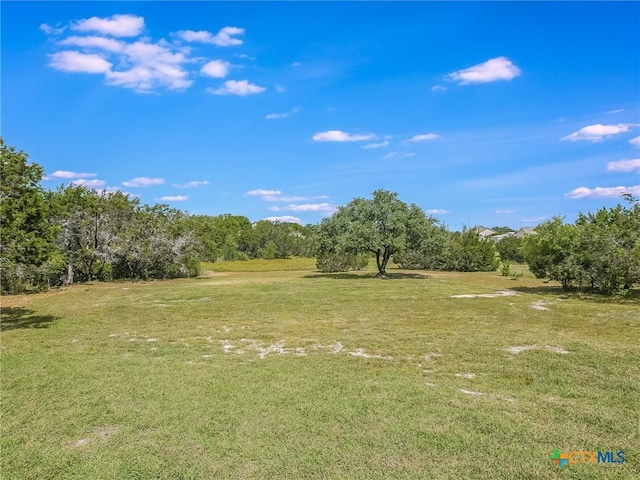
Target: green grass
[(205, 378), (261, 265)]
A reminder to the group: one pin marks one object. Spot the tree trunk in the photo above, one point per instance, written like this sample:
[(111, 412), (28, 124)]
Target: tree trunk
[(382, 265), (68, 280)]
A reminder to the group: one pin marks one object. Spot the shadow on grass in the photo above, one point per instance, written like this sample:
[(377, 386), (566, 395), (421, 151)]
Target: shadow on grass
[(13, 318), (630, 297), (356, 276)]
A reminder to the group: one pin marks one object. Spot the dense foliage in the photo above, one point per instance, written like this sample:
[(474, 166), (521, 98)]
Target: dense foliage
[(382, 227), (73, 234), (600, 251)]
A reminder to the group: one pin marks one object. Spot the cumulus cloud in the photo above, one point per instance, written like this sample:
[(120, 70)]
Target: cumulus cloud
[(624, 165), (500, 68), (143, 182), (224, 38), (261, 192), (339, 136), (602, 192), (377, 145), (88, 183), (100, 45), (74, 61), (233, 87), (65, 174), (285, 218), (116, 25), (423, 137), (216, 69), (173, 198), (596, 133), (438, 211), (141, 65), (276, 116), (193, 184), (398, 155), (635, 141)]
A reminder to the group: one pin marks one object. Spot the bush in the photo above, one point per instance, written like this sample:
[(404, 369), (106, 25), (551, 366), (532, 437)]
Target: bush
[(341, 262)]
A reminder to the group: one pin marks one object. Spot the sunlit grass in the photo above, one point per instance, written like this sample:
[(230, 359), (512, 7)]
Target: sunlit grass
[(262, 265), (297, 374)]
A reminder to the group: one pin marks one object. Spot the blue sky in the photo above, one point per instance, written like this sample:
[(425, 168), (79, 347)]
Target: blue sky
[(501, 113)]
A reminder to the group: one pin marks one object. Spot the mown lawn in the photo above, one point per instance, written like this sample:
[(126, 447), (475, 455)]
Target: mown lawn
[(295, 374)]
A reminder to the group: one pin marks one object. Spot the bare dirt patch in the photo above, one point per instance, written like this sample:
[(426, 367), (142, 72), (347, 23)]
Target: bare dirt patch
[(470, 392), (499, 293), (549, 348), (539, 305)]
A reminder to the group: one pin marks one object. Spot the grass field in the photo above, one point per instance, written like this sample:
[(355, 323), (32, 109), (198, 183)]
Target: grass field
[(287, 373)]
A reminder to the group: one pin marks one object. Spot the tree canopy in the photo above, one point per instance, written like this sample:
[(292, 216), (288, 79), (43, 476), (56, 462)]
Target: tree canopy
[(382, 226)]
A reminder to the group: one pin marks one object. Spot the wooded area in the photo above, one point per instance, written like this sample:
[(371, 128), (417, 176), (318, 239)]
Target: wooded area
[(74, 234)]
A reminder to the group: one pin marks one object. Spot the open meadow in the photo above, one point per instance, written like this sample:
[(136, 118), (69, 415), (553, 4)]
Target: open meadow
[(285, 372)]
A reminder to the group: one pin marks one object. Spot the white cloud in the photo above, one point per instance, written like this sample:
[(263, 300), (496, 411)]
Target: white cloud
[(216, 69), (438, 88), (398, 155), (438, 211), (602, 192), (233, 87), (500, 68), (533, 219), (624, 165), (596, 133), (224, 38), (49, 30), (64, 174), (151, 65), (423, 137), (173, 198), (74, 61), (285, 218), (275, 116), (505, 212), (193, 184), (88, 183), (296, 64), (289, 198), (116, 25), (339, 136), (307, 207), (635, 141), (261, 192), (143, 182), (101, 43), (619, 110), (141, 65), (377, 145)]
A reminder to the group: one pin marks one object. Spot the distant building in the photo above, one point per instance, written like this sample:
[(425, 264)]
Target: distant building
[(483, 232), (524, 231), (497, 238)]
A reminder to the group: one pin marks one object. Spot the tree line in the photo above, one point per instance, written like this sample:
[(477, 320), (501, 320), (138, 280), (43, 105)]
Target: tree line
[(75, 234)]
